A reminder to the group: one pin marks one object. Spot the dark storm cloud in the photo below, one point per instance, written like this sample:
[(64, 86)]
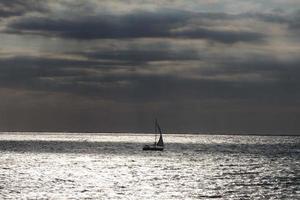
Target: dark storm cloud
[(135, 25), (18, 68), (72, 76), (45, 74), (295, 21), (263, 64), (143, 55), (106, 63), (223, 36), (103, 26), (10, 8)]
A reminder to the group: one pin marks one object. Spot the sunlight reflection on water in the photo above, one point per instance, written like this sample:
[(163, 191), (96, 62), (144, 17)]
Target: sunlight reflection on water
[(106, 166)]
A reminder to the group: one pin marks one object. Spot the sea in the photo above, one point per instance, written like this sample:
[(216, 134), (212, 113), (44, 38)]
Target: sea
[(113, 166)]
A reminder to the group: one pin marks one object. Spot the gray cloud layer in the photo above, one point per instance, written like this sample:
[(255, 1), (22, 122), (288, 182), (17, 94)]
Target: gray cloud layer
[(10, 8), (162, 24), (195, 70), (123, 81)]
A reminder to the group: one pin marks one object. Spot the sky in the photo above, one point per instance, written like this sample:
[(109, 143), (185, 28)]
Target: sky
[(209, 66)]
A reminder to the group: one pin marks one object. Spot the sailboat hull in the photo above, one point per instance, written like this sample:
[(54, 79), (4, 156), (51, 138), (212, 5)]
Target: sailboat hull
[(153, 148)]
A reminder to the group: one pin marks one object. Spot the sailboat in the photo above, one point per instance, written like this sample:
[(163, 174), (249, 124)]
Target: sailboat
[(157, 146)]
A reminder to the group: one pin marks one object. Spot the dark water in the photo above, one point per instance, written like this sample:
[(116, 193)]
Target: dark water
[(104, 166)]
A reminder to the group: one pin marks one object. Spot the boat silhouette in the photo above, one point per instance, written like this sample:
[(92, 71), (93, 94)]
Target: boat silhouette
[(159, 145)]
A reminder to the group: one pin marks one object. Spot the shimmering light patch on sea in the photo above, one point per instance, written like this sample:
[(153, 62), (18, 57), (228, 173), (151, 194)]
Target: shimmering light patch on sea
[(112, 166)]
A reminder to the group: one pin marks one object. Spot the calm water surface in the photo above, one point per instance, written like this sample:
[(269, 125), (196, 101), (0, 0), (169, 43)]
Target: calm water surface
[(106, 166)]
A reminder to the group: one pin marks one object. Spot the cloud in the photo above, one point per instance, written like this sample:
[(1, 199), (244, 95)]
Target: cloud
[(294, 22), (223, 36), (159, 24), (102, 26), (116, 80), (9, 8), (130, 59), (291, 20), (144, 55)]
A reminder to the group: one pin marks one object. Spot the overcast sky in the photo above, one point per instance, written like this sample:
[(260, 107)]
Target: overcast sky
[(230, 66)]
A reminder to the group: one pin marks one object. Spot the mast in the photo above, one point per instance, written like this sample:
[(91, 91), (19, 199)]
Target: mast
[(155, 127)]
